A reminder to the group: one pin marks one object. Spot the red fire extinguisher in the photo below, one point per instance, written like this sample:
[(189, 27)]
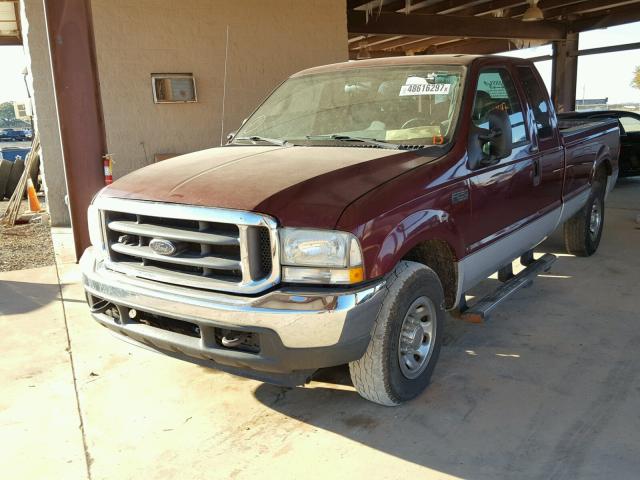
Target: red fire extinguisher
[(107, 162)]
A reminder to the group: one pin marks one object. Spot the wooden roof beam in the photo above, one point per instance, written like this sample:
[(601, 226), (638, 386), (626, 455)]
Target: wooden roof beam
[(10, 40), (488, 7), (355, 54), (474, 46), (438, 6), (16, 10), (545, 6), (369, 39), (380, 42), (352, 4), (450, 25), (572, 8), (426, 7), (585, 8), (383, 42), (420, 46), (608, 18), (445, 6)]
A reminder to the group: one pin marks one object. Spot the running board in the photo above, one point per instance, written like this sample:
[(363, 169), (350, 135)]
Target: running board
[(479, 311)]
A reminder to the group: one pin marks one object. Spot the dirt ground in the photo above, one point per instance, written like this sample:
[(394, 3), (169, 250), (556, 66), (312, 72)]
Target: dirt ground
[(25, 246)]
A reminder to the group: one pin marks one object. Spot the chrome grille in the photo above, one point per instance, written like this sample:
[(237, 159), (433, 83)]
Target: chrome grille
[(217, 249)]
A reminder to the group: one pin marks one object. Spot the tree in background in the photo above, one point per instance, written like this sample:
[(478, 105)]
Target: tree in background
[(635, 82), (8, 117)]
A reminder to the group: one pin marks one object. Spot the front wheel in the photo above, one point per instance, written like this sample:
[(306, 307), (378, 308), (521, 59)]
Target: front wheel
[(583, 231), (406, 339)]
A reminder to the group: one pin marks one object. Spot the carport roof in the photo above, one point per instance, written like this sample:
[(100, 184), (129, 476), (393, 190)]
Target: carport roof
[(379, 28), (10, 23)]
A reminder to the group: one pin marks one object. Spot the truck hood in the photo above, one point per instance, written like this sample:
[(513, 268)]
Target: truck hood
[(300, 186)]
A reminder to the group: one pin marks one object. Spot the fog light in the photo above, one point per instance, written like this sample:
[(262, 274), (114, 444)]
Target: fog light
[(133, 313)]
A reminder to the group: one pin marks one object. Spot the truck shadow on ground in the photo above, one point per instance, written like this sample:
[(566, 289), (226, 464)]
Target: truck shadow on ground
[(437, 430), (441, 427), (508, 398), (25, 297)]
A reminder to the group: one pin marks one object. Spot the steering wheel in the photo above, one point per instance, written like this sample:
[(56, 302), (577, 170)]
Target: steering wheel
[(409, 122)]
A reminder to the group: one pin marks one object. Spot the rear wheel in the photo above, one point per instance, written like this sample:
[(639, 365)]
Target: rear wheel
[(583, 231), (406, 339)]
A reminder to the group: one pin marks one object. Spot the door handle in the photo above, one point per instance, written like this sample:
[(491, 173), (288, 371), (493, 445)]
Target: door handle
[(536, 171)]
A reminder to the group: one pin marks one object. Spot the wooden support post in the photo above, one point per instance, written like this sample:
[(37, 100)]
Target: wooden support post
[(79, 107), (565, 73)]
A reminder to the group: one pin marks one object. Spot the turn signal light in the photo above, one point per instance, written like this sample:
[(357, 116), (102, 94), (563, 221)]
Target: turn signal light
[(329, 276)]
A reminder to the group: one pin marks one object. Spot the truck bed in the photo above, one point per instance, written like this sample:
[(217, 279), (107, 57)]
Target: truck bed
[(574, 129)]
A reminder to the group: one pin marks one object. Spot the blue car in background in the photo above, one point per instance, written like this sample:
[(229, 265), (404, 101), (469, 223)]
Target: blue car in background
[(15, 134)]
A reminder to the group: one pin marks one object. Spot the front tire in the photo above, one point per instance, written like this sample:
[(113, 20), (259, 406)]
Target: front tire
[(406, 339), (583, 231)]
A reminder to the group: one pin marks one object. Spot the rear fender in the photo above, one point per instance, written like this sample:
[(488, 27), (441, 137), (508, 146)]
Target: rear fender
[(603, 159)]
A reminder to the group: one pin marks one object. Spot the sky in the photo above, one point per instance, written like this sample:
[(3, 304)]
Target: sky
[(599, 76), (12, 63), (606, 75)]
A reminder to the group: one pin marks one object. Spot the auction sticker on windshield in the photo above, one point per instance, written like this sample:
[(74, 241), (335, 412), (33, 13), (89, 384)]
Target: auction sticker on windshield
[(425, 89)]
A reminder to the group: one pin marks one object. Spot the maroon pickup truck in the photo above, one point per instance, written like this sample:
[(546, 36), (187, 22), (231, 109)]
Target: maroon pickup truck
[(349, 212)]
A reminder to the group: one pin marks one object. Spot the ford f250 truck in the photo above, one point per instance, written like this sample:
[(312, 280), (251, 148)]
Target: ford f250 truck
[(349, 212)]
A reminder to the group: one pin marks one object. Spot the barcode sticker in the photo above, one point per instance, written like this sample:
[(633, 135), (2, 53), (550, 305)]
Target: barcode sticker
[(425, 89)]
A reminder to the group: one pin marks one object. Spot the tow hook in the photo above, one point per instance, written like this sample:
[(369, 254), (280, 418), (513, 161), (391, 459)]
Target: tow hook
[(233, 339)]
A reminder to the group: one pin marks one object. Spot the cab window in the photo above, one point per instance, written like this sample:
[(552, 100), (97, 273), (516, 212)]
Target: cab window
[(496, 91), (538, 101)]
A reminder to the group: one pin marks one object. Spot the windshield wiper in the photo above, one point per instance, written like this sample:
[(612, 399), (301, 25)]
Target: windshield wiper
[(347, 138), (273, 141)]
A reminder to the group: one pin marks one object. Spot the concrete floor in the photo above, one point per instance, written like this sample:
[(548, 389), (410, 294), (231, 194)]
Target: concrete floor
[(549, 388)]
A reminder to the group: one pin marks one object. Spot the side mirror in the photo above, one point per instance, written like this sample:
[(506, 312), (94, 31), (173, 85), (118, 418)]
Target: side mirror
[(230, 136), (489, 146)]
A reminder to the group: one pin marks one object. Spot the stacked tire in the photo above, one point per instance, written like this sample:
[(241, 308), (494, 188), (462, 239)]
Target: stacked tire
[(14, 176), (5, 172), (10, 173)]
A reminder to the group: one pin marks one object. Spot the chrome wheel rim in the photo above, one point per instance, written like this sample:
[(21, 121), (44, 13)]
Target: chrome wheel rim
[(595, 220), (417, 337)]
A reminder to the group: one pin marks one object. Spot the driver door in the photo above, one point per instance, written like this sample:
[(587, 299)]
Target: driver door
[(501, 194)]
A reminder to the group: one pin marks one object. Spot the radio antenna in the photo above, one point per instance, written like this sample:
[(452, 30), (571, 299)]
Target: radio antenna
[(224, 86)]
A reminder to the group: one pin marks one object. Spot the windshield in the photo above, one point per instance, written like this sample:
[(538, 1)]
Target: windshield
[(414, 105)]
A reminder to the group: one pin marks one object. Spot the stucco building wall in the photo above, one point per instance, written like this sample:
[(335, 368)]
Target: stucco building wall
[(268, 40)]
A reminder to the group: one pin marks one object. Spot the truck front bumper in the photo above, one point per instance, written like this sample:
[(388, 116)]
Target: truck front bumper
[(297, 330)]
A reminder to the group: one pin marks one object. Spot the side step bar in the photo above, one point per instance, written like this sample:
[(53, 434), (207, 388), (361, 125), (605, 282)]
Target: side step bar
[(479, 311)]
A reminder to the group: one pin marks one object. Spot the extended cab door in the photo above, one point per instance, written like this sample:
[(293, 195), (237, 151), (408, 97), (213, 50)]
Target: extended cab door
[(546, 146)]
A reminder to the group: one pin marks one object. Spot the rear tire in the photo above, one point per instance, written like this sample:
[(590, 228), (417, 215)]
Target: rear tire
[(583, 231), (406, 339)]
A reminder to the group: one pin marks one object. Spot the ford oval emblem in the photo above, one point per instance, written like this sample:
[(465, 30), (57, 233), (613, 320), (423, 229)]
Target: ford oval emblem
[(163, 247)]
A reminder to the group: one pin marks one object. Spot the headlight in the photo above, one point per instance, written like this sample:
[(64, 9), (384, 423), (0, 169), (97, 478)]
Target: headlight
[(94, 221), (326, 256)]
